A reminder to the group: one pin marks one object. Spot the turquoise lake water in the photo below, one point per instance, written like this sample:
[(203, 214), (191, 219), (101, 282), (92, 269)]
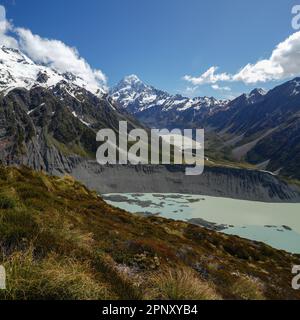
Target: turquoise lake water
[(277, 224)]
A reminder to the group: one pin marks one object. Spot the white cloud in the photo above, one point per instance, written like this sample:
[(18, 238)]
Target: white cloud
[(58, 55), (5, 28), (217, 87), (191, 89), (210, 76), (53, 53), (2, 13), (283, 63)]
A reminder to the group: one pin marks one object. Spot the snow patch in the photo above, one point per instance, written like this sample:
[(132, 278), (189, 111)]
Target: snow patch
[(82, 121)]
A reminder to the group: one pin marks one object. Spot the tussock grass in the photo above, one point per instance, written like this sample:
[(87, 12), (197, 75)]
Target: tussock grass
[(60, 234), (126, 288), (7, 202), (51, 278), (16, 226), (180, 284), (246, 288)]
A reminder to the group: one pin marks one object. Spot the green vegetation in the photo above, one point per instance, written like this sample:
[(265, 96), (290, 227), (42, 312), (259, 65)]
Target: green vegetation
[(211, 162), (73, 148), (291, 182), (58, 240)]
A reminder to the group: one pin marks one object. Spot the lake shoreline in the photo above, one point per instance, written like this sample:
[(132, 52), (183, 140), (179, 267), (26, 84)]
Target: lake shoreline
[(276, 224)]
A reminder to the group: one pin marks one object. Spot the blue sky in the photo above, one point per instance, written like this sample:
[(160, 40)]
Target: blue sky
[(163, 40)]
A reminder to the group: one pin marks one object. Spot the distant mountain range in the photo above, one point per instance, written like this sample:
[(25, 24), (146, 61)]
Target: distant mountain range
[(48, 120), (262, 127), (158, 108)]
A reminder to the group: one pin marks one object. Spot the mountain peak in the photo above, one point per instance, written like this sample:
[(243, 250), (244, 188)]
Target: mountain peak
[(258, 92), (137, 97), (131, 80), (256, 95)]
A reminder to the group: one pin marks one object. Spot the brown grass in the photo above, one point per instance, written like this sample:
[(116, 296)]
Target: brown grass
[(180, 284), (51, 278), (247, 288)]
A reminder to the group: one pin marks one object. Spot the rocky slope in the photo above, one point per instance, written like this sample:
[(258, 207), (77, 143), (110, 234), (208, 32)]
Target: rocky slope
[(49, 120), (48, 128), (60, 241), (215, 181)]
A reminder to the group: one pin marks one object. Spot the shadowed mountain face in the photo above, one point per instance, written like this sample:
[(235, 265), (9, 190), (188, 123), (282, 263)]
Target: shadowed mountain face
[(268, 130), (261, 127), (50, 129)]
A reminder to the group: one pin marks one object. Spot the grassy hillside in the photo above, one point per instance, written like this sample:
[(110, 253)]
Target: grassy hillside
[(61, 241)]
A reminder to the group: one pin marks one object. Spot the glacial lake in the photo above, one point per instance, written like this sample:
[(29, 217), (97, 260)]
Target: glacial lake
[(276, 224)]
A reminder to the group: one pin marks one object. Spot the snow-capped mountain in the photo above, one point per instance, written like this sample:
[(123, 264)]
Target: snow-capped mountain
[(159, 108), (49, 120), (132, 94), (136, 96), (256, 95), (19, 71)]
